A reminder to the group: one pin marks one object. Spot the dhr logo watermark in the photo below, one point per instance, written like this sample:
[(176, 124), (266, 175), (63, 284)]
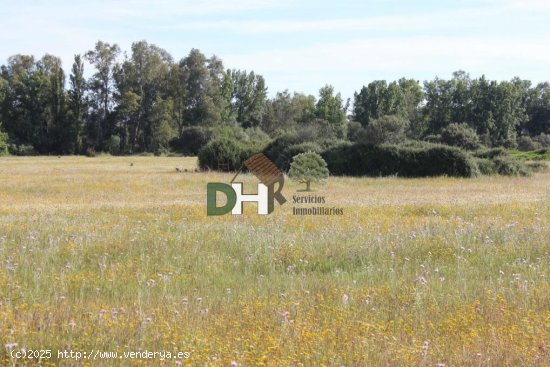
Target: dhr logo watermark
[(269, 176)]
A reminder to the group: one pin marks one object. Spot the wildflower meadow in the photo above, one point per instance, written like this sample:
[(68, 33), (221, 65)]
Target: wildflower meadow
[(117, 254)]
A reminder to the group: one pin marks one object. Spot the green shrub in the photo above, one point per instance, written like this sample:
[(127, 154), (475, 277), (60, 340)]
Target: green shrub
[(113, 144), (90, 152), (502, 165), (278, 150), (355, 130), (543, 140), (315, 130), (341, 159), (490, 153), (369, 160), (22, 149), (537, 166), (3, 143), (223, 155), (161, 152), (525, 144), (510, 167), (384, 130), (256, 136), (435, 138), (486, 166), (460, 135)]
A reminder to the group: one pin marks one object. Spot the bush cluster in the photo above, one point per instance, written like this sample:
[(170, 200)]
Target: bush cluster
[(368, 160), (224, 155), (409, 159), (281, 150), (460, 135)]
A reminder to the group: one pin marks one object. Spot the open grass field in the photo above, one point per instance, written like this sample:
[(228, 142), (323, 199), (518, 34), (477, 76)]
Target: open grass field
[(97, 254)]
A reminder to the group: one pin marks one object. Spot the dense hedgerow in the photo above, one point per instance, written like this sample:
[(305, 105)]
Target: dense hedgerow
[(410, 159), (281, 150), (385, 160)]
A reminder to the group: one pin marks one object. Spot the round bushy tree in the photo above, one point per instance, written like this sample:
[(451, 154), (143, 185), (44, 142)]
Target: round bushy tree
[(525, 144), (460, 135), (388, 129), (307, 168), (221, 155)]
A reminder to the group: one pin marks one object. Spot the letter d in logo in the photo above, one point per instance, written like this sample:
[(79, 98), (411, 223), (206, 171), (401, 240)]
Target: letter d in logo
[(211, 193)]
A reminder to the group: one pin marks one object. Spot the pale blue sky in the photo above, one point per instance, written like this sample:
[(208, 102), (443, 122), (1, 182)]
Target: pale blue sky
[(302, 45)]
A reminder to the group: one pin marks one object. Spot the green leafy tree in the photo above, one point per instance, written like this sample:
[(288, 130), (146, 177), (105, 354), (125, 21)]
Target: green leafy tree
[(413, 95), (197, 100), (385, 130), (76, 110), (21, 105), (538, 110), (248, 97), (102, 85), (286, 112), (34, 108), (141, 81), (368, 101), (330, 107), (160, 127), (378, 98), (439, 101), (307, 168), (460, 135), (3, 135)]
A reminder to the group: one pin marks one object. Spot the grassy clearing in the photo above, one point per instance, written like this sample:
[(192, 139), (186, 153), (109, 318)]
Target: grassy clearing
[(98, 254), (535, 155)]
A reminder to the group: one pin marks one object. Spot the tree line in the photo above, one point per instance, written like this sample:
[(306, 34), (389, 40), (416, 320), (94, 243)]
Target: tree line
[(145, 101)]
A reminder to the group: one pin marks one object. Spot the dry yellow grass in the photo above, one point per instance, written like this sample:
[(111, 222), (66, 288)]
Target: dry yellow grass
[(96, 253)]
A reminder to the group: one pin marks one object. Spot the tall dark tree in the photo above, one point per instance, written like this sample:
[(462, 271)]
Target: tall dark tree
[(438, 107), (142, 81), (103, 57), (34, 105), (3, 91), (76, 108), (19, 108), (538, 110), (200, 105)]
